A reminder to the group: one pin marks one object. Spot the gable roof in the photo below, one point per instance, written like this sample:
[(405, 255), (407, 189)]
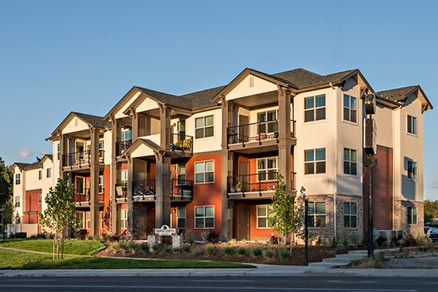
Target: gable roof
[(91, 120), (166, 98), (202, 99), (34, 165), (398, 95)]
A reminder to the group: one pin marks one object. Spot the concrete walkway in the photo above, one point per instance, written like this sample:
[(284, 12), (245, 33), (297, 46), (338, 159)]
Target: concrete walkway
[(314, 269)]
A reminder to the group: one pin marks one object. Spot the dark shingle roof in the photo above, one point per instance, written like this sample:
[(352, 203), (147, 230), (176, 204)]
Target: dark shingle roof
[(303, 78), (201, 99), (397, 94), (170, 99), (92, 120)]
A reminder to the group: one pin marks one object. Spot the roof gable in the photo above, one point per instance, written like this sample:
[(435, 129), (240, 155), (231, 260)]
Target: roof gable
[(75, 122), (399, 96)]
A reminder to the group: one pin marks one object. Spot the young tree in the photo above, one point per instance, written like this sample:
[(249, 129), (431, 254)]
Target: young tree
[(59, 213), (5, 182), (287, 213)]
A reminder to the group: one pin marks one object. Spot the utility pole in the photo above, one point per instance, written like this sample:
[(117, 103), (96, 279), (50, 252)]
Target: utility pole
[(370, 149), (306, 225)]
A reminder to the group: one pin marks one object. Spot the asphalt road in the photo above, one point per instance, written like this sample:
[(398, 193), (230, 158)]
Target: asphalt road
[(212, 284)]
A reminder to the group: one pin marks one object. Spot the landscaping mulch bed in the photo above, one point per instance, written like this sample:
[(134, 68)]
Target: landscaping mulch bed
[(238, 252)]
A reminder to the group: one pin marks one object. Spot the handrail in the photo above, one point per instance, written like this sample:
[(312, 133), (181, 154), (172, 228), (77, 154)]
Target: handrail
[(143, 187), (258, 131), (255, 182), (181, 142), (122, 146), (182, 188)]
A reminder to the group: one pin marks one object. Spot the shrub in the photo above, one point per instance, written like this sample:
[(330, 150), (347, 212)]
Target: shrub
[(196, 252), (210, 250), (273, 240), (284, 254), (168, 249), (242, 251), (257, 251), (410, 240), (345, 244), (189, 237), (354, 238), (269, 253), (133, 246), (186, 248), (144, 247), (122, 245), (232, 240), (155, 247), (230, 250), (211, 236), (381, 241), (334, 242)]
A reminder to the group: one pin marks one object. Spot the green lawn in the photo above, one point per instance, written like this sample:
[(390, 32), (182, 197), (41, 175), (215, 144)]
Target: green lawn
[(28, 261), (78, 247)]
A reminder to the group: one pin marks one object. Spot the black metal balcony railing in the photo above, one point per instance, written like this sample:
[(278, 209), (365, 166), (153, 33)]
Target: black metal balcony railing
[(122, 146), (254, 132), (143, 187), (82, 158), (84, 195), (256, 182), (181, 142), (182, 188), (122, 189)]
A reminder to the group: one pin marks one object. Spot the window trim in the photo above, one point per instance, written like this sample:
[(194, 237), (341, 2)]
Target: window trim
[(315, 161), (314, 215), (350, 109), (17, 179), (178, 217), (412, 214), (412, 172), (84, 187), (194, 171), (350, 215), (123, 218), (204, 217), (267, 216), (266, 170), (350, 161), (101, 186), (315, 108), (414, 125), (204, 127), (49, 172)]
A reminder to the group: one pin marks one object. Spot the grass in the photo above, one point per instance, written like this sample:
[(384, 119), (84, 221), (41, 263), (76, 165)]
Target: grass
[(27, 261), (77, 247)]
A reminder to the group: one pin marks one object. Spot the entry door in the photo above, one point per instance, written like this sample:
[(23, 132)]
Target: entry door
[(243, 222), (243, 172)]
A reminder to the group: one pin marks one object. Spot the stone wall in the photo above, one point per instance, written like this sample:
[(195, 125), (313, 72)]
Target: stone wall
[(401, 217)]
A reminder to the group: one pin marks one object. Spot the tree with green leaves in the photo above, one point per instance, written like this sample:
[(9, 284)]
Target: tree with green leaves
[(431, 211), (59, 213), (286, 215), (5, 182)]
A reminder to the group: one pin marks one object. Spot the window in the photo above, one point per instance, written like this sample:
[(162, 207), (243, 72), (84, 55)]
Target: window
[(18, 178), (126, 134), (58, 150), (181, 217), (88, 220), (412, 125), (412, 215), (124, 218), (412, 169), (267, 121), (267, 168), (316, 214), (350, 108), (79, 185), (124, 176), (350, 161), (48, 172), (204, 171), (80, 220), (204, 217), (350, 214), (40, 174), (262, 216), (101, 188), (17, 201), (181, 174), (314, 161), (204, 127), (314, 108), (40, 198)]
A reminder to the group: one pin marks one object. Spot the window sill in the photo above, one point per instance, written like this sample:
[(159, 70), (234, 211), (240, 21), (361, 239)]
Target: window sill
[(204, 183), (315, 122), (350, 123), (412, 134)]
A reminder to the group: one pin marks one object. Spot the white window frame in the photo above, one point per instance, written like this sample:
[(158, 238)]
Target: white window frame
[(350, 161), (123, 218), (412, 125), (350, 215), (412, 215), (267, 170), (204, 217), (101, 184), (80, 215), (87, 220), (412, 169), (17, 178), (268, 208), (124, 136), (17, 201), (84, 187), (315, 161), (204, 172), (314, 215), (204, 127), (350, 109), (315, 108), (267, 122), (179, 216)]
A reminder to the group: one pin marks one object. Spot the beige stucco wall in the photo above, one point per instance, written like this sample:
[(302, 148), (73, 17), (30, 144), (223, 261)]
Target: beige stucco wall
[(385, 126), (74, 125), (147, 104), (209, 143), (107, 141), (119, 114), (244, 89), (18, 191)]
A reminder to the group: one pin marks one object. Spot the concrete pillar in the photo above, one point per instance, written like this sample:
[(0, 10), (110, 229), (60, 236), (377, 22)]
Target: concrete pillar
[(62, 152), (224, 167), (165, 128), (130, 194), (163, 189), (94, 182), (285, 138), (114, 137), (135, 125)]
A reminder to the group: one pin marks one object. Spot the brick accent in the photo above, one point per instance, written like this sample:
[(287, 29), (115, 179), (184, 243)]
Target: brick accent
[(401, 217)]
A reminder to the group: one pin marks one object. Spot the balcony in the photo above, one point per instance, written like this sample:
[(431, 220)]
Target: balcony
[(180, 142), (251, 136), (254, 186), (82, 197), (122, 146), (143, 190), (81, 159), (122, 191), (182, 190)]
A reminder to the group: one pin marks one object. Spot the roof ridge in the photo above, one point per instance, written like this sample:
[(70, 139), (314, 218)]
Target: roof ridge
[(296, 69), (398, 88)]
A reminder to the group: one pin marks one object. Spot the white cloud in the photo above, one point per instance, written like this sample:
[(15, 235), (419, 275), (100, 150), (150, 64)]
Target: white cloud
[(24, 152)]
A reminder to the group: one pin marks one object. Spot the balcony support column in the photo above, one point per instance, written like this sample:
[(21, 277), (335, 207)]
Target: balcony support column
[(284, 135), (135, 125), (165, 128), (227, 120), (94, 182), (162, 190), (130, 195), (114, 137), (62, 152)]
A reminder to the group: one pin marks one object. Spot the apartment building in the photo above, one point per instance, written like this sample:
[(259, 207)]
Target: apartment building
[(208, 160), (31, 185)]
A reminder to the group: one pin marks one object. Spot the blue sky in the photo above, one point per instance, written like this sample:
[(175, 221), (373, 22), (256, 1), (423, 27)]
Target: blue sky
[(62, 56)]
